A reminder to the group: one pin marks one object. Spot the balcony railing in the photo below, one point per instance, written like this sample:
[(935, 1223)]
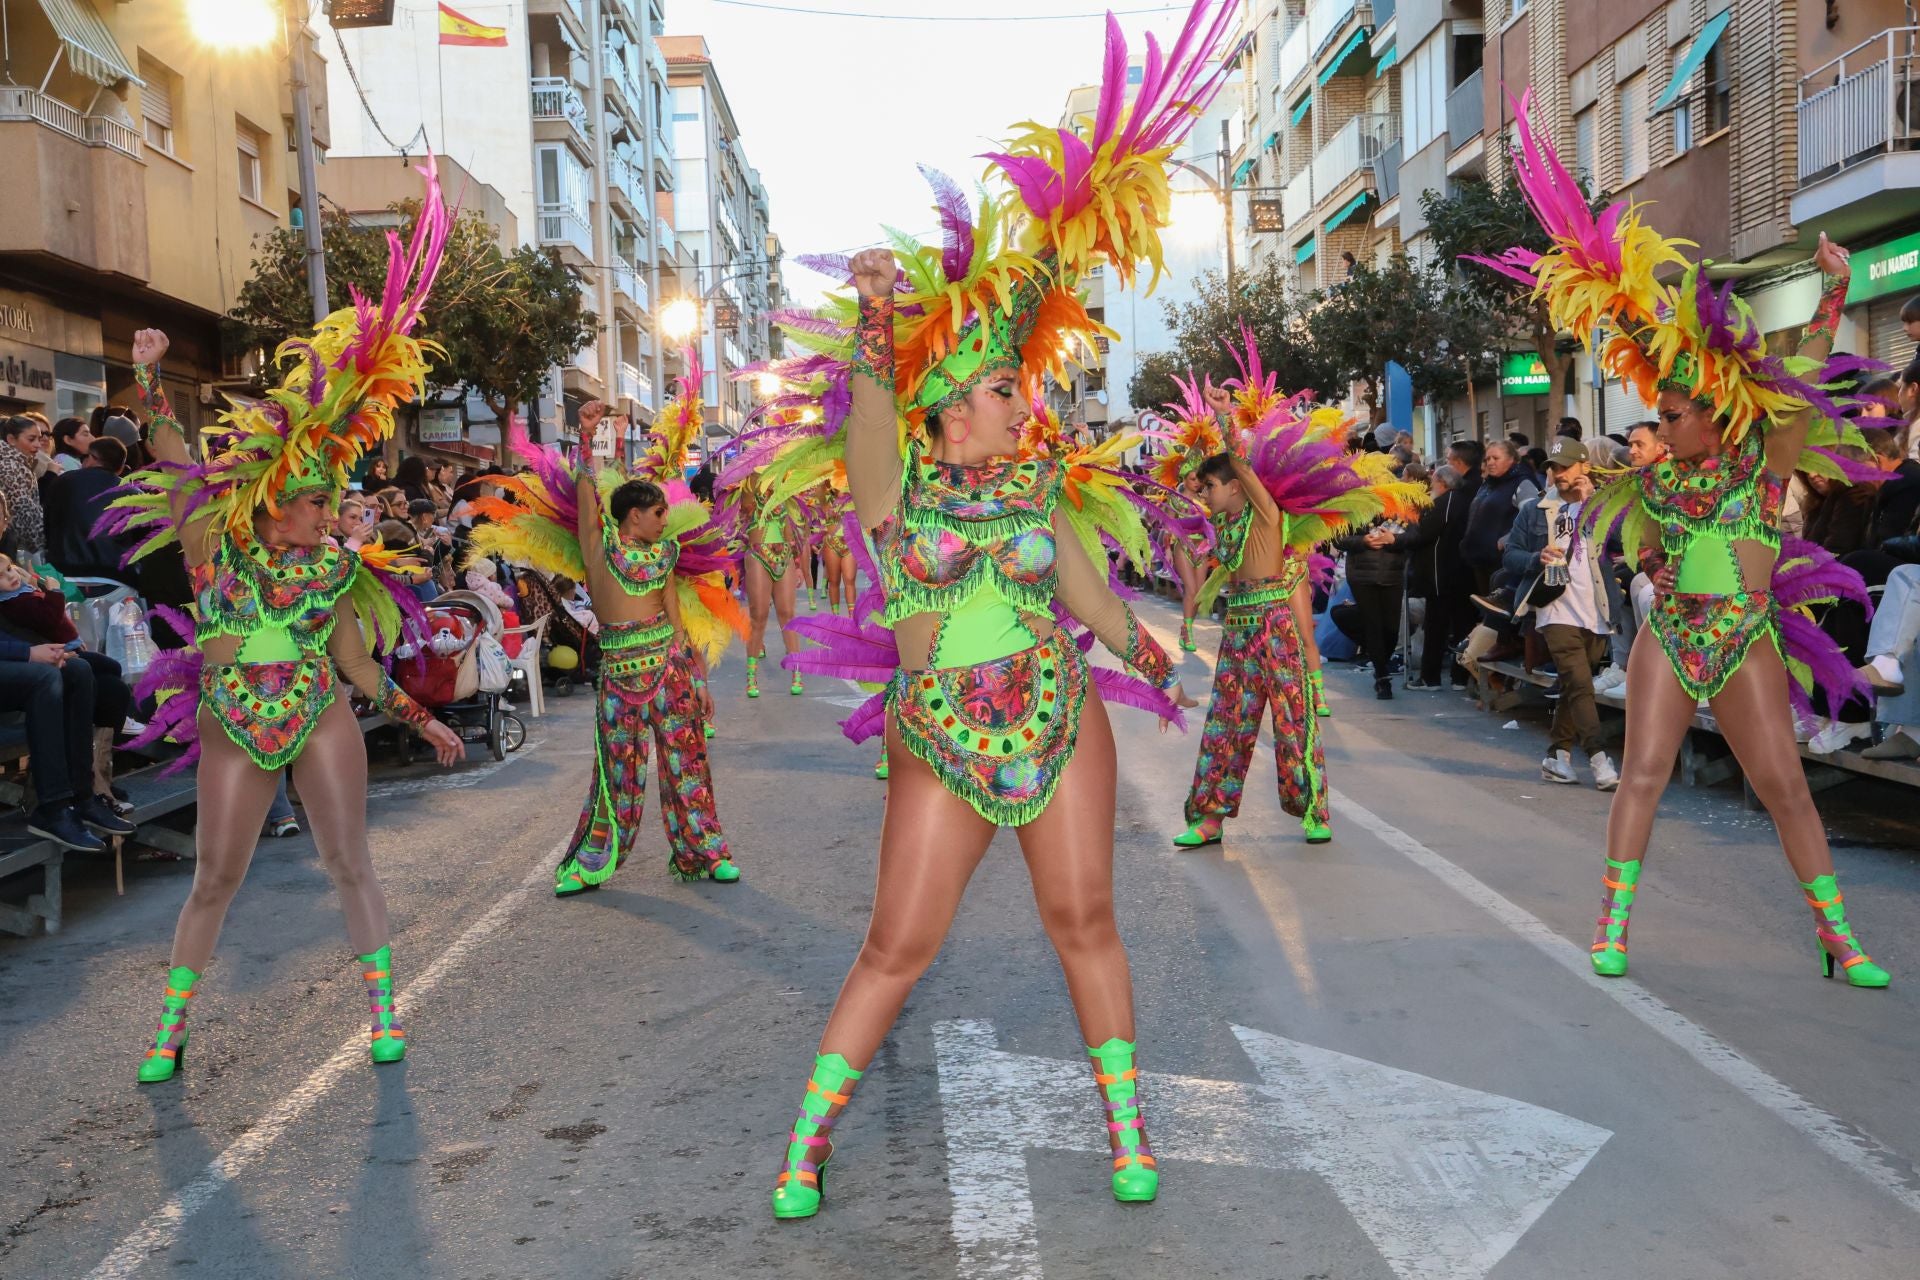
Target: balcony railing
[(556, 98), (1296, 54), (1327, 19), (1466, 111), (624, 178), (628, 281), (1386, 170), (1296, 198), (657, 60), (1861, 104), (18, 102), (1358, 143), (564, 224), (635, 385)]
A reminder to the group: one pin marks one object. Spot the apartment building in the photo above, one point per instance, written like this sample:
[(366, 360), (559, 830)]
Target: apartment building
[(143, 162), (721, 213), (566, 123)]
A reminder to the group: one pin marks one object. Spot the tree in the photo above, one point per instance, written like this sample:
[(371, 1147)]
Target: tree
[(1442, 333), (505, 319), (1479, 218), (1204, 326)]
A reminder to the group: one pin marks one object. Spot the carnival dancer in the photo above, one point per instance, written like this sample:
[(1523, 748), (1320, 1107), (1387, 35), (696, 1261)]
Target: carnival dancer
[(991, 718), (272, 592), (1285, 485), (1196, 437), (1737, 422), (655, 570), (775, 545)]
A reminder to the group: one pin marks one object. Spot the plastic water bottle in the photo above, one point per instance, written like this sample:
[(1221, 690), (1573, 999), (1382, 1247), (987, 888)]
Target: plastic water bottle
[(130, 631)]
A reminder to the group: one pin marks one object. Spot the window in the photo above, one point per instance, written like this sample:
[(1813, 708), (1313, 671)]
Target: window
[(249, 145), (1586, 161), (1719, 88), (1423, 95), (156, 106), (1630, 99)]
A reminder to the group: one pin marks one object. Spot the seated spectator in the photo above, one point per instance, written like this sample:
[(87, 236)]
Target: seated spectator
[(391, 503), (1896, 500), (44, 675), (1893, 643), (434, 540), (1839, 517), (398, 537), (75, 502)]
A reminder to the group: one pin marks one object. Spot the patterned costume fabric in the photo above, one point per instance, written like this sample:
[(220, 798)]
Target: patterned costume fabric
[(646, 693), (1706, 637), (773, 538), (999, 734), (1261, 664)]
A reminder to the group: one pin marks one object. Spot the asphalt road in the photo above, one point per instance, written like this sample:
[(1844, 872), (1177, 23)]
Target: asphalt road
[(1377, 1059)]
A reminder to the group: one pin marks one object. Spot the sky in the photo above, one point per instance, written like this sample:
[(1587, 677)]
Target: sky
[(835, 112)]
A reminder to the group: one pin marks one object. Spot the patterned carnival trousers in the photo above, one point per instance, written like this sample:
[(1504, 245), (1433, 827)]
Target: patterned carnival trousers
[(645, 692), (1261, 664)]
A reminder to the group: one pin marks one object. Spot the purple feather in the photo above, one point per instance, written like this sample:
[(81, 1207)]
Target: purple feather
[(869, 719), (1131, 691), (956, 223)]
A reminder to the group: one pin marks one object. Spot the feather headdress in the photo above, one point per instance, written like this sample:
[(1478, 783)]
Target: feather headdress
[(1196, 433)]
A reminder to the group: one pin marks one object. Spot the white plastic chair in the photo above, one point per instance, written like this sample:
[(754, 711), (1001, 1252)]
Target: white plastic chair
[(531, 637)]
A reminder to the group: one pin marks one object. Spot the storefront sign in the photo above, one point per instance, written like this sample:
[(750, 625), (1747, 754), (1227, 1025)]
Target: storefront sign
[(15, 318), (1893, 267), (27, 373), (440, 425), (1266, 217), (1522, 373)]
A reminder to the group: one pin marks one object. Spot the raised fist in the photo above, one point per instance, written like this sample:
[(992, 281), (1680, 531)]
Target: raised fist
[(148, 346), (874, 273)]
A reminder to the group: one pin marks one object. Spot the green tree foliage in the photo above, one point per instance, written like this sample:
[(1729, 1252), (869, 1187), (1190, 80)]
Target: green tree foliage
[(1422, 317), (1203, 326), (1483, 219), (504, 319)]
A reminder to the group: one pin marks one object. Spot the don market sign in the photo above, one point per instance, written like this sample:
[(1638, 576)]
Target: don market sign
[(1522, 373), (1893, 267)]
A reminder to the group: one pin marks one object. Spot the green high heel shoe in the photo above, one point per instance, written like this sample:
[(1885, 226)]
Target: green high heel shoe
[(803, 1180), (753, 676), (707, 731), (1317, 832), (387, 1041), (1610, 933), (1186, 635), (1135, 1179), (1317, 689), (1837, 945), (798, 686), (880, 769), (169, 1052), (1200, 834)]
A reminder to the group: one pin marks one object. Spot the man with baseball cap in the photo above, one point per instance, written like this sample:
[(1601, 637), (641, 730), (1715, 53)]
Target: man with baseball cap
[(1564, 586)]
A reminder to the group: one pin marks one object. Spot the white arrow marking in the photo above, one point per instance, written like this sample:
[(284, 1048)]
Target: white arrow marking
[(1443, 1179)]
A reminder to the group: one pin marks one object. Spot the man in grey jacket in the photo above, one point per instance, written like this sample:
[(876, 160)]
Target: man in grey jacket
[(1563, 583)]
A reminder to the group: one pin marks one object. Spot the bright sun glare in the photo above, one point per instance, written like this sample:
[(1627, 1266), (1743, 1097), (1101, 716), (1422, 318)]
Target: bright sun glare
[(233, 24)]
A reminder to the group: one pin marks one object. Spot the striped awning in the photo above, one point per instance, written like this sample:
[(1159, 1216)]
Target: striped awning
[(1240, 174), (1387, 61), (1695, 58), (1346, 211), (90, 48)]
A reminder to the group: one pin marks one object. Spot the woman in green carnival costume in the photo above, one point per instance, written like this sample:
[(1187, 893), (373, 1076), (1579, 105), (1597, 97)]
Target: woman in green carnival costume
[(1727, 624), (992, 718), (775, 548), (272, 590)]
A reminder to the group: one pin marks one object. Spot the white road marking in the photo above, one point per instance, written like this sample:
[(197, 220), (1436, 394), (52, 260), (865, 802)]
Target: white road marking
[(163, 1226), (1443, 1179), (442, 781), (1851, 1146)]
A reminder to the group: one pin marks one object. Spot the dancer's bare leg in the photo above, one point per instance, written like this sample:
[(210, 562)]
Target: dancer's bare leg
[(1658, 716), (930, 842), (235, 794), (1756, 719), (332, 776), (759, 605), (785, 595)]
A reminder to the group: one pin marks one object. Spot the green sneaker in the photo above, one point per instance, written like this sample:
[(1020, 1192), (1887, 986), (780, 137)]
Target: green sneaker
[(1200, 834)]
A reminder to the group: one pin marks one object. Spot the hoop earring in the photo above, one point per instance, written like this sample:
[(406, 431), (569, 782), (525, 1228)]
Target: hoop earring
[(953, 437)]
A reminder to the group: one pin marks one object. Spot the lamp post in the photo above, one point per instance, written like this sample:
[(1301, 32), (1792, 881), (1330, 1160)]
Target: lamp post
[(1221, 186)]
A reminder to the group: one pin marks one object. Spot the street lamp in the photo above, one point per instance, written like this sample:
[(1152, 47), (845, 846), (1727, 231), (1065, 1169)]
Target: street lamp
[(680, 319)]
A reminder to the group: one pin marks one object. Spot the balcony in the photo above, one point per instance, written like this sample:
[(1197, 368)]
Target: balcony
[(634, 385), (568, 11), (1328, 20), (557, 101), (627, 281), (565, 226), (1386, 170), (1466, 111), (658, 61), (1383, 11), (1296, 54), (624, 181), (78, 186), (1859, 151), (662, 162), (1352, 152), (1296, 198)]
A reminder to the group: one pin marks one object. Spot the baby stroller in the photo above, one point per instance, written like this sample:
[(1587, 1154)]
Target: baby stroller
[(449, 682), (564, 632)]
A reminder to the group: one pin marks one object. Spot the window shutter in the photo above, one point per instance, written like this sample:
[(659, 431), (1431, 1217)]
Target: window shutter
[(248, 139), (156, 99)]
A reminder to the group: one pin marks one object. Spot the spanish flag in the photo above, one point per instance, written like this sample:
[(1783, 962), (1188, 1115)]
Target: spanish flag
[(457, 28)]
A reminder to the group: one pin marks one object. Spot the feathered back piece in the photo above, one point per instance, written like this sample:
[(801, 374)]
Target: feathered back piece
[(1196, 433), (1045, 435), (335, 402), (1256, 392), (1002, 290), (1301, 457), (1599, 278), (682, 421)]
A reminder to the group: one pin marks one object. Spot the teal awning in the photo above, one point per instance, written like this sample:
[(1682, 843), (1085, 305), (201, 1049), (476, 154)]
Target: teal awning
[(1273, 140), (1387, 61), (1696, 57), (1304, 251), (1346, 211), (1301, 108), (1240, 174), (1355, 41)]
